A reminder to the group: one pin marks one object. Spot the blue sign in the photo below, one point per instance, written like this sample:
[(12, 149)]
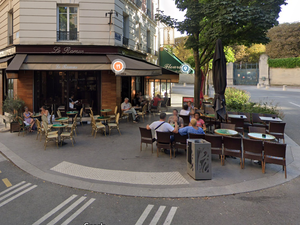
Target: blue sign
[(185, 68), (118, 36)]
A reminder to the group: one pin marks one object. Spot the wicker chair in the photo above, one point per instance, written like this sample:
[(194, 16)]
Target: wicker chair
[(252, 149), (114, 125), (143, 113), (216, 145), (233, 147), (164, 141), (79, 119), (277, 130), (68, 135), (50, 136), (146, 137), (23, 126)]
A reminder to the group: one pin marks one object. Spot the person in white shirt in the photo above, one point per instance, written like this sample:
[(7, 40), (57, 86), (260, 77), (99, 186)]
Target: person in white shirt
[(72, 102), (127, 108), (184, 111)]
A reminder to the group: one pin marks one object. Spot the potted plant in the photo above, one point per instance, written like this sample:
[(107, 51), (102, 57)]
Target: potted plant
[(13, 107)]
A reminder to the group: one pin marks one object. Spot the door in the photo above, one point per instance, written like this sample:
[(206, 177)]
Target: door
[(246, 74)]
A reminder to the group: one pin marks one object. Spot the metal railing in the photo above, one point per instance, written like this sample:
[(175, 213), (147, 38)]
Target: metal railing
[(125, 41), (10, 40), (67, 36)]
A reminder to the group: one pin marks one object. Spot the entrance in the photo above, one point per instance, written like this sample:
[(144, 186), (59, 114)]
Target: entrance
[(246, 73)]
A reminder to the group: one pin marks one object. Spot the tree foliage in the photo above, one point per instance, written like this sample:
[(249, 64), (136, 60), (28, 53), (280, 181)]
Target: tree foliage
[(248, 54), (233, 21), (285, 41), (180, 50)]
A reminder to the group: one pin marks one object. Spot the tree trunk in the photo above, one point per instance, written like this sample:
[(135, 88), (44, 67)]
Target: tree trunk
[(197, 84)]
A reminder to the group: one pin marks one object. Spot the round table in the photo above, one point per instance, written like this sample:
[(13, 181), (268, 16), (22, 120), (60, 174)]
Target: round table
[(105, 111), (60, 127), (72, 114), (103, 118), (259, 136), (62, 119), (226, 132), (212, 116)]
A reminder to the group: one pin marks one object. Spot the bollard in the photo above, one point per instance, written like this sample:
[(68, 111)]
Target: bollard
[(284, 88), (258, 86), (184, 84)]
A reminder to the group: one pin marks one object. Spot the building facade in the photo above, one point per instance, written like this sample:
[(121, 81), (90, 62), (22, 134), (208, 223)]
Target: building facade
[(53, 49)]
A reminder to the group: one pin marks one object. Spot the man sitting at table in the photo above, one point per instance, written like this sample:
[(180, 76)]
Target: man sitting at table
[(191, 129), (176, 118), (126, 108)]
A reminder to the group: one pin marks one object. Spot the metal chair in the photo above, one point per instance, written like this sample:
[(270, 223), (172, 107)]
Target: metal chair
[(216, 145), (146, 137), (164, 141), (233, 147), (252, 149), (277, 130), (275, 153)]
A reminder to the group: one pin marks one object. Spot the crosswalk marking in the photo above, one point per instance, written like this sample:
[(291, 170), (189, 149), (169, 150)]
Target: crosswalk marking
[(80, 210), (12, 187), (66, 211), (54, 210), (170, 216), (144, 215), (15, 191), (157, 215), (17, 195)]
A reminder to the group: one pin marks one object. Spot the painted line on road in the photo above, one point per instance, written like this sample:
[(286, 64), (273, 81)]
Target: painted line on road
[(15, 191), (294, 104), (66, 211), (6, 182), (170, 216), (157, 215), (11, 188), (0, 171), (144, 215), (54, 210), (17, 195), (80, 210)]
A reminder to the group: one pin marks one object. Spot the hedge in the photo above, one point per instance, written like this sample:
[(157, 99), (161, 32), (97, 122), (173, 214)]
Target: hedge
[(284, 63)]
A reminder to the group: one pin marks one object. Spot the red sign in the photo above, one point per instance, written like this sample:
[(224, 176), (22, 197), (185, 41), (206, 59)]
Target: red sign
[(187, 99)]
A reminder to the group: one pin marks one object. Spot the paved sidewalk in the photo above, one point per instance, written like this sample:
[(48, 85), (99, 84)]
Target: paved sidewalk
[(115, 165)]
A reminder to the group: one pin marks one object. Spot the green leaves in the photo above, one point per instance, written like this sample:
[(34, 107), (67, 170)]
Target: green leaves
[(284, 63)]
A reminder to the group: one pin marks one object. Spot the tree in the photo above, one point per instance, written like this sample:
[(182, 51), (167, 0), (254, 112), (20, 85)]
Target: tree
[(285, 42), (180, 50), (249, 54), (233, 21)]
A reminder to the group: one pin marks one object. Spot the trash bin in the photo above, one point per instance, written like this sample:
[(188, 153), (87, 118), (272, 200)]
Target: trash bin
[(199, 159)]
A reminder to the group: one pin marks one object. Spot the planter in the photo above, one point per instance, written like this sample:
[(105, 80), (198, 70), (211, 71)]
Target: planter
[(14, 127)]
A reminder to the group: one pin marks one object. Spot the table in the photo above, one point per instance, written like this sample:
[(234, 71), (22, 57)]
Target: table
[(259, 136), (237, 116), (103, 118), (137, 108), (270, 119), (72, 114), (62, 119), (60, 127), (36, 116), (105, 111), (226, 132), (212, 116)]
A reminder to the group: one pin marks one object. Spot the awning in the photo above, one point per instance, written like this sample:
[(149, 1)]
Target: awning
[(3, 62), (16, 63)]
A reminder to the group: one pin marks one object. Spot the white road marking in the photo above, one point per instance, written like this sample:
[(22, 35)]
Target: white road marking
[(66, 211), (294, 104), (144, 215), (17, 195), (54, 210), (80, 210), (170, 216), (157, 215), (15, 191), (12, 187)]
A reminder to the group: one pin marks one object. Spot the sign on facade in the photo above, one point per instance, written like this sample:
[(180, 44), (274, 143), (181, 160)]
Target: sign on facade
[(169, 36)]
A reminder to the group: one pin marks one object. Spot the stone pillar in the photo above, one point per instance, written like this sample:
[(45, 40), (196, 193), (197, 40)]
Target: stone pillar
[(264, 70), (230, 74)]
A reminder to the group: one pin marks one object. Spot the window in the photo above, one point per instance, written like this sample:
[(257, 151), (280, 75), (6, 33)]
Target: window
[(125, 30), (10, 28), (10, 88), (148, 42), (67, 27)]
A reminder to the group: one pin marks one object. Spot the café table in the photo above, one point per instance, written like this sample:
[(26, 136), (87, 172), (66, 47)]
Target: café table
[(36, 116), (270, 119), (237, 116), (103, 118), (60, 128), (262, 137), (62, 119), (226, 132), (105, 111), (72, 114)]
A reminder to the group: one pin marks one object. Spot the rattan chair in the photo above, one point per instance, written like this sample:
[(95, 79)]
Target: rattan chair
[(146, 137), (23, 126), (50, 136), (216, 145), (186, 119), (239, 124), (164, 141), (256, 121), (114, 125), (179, 142), (97, 127), (254, 129), (125, 115), (73, 126), (277, 130), (113, 117), (41, 130), (68, 134), (79, 119), (228, 126), (252, 149), (233, 147), (275, 153), (143, 113)]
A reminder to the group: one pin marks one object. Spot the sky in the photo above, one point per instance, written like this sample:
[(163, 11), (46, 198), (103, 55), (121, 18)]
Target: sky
[(289, 13)]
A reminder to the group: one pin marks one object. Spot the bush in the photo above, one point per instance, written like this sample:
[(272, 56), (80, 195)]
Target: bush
[(284, 63), (235, 98), (13, 106)]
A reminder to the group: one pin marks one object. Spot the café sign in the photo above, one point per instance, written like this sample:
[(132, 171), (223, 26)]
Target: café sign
[(66, 50), (7, 52)]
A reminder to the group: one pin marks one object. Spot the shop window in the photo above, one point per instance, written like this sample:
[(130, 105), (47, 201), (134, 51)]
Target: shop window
[(10, 88), (67, 23)]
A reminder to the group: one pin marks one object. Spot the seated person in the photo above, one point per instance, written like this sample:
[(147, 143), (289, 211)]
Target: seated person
[(162, 125), (156, 99), (200, 122), (184, 111), (190, 106), (72, 103), (27, 118), (192, 114), (45, 112), (191, 129), (175, 116), (126, 108)]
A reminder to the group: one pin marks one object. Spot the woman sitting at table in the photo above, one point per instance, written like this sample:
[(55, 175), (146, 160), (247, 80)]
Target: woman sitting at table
[(200, 122), (45, 112), (191, 129), (27, 118), (184, 111)]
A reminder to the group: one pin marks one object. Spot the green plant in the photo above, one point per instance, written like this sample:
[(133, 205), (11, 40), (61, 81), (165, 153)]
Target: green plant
[(284, 63), (13, 106)]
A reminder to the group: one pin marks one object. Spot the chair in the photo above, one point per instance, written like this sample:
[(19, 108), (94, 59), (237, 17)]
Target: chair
[(186, 120), (68, 135), (277, 130), (165, 105), (247, 121), (239, 124), (253, 129), (114, 125), (45, 119), (73, 126), (216, 145), (50, 136), (196, 136), (41, 130), (143, 113), (256, 121), (113, 117), (80, 117), (97, 127), (252, 149), (157, 109), (228, 126), (179, 142), (59, 113), (164, 141), (209, 110), (275, 153), (233, 147), (146, 137), (23, 126)]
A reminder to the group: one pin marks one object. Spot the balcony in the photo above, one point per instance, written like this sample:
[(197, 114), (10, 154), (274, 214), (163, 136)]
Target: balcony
[(10, 39), (149, 50), (67, 36), (139, 3), (125, 41)]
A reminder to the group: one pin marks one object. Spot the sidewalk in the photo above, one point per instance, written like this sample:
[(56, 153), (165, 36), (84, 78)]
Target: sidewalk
[(115, 165)]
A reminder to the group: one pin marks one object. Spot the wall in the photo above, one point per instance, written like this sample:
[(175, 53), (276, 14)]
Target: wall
[(108, 90), (280, 76)]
